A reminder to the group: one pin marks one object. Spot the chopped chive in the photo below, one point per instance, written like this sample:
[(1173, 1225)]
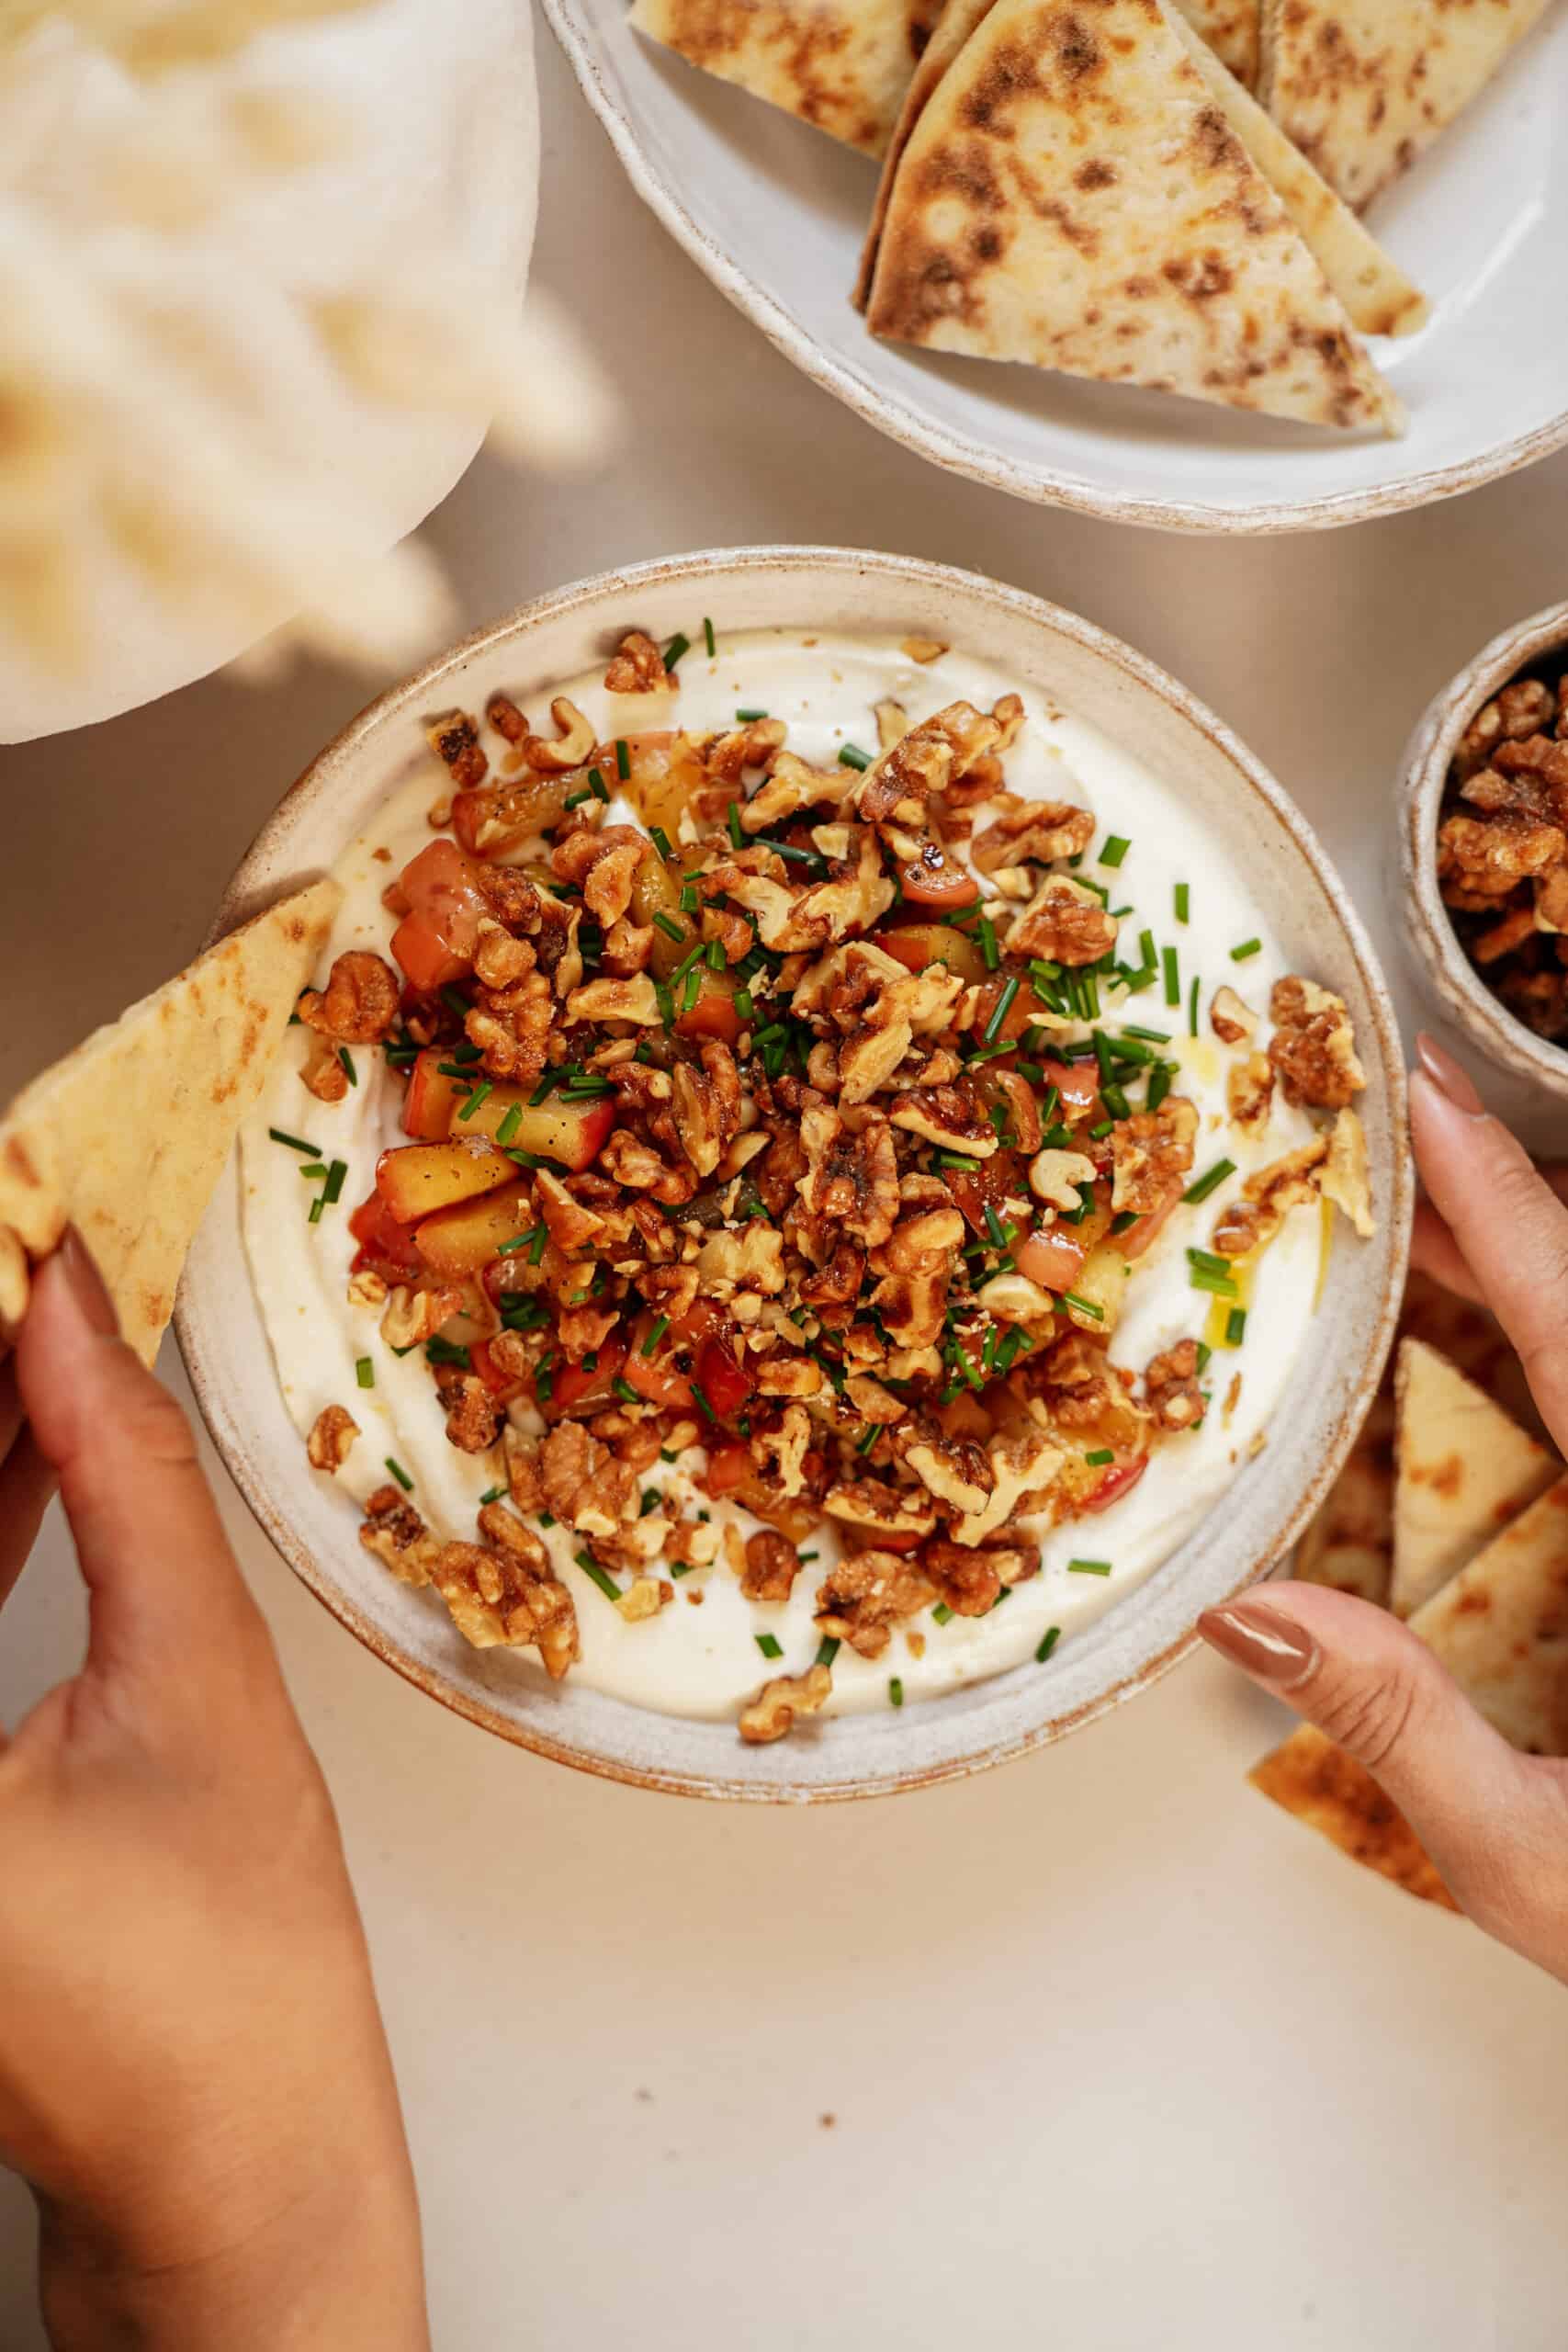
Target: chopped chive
[(332, 1192), (648, 1345), (346, 1059), (364, 1373), (455, 1002), (1248, 948), (1183, 903), (1172, 976), (895, 1690), (1002, 1008), (957, 1160), (546, 1518), (749, 713), (1192, 1009), (715, 956), (768, 1646), (942, 1613), (852, 757), (1099, 1457), (1085, 1306), (1147, 951), (666, 1004), (828, 1651), (1048, 1641), (702, 1402), (597, 784), (693, 988), (708, 637), (1088, 1568), (1204, 1352), (1235, 1327), (1125, 1220), (995, 1227), (669, 927), (866, 1438), (1208, 1261), (492, 1495), (622, 758), (539, 1240), (660, 840), (440, 1350), (399, 1474), (481, 1093), (743, 1004), (678, 646), (1159, 1084), (1102, 1128), (508, 1126), (576, 799), (624, 1390), (313, 1170), (317, 1206), (1115, 849), (1153, 1036), (310, 1150), (650, 1501), (605, 1582), (989, 949), (732, 818), (1209, 1181), (1215, 1286)]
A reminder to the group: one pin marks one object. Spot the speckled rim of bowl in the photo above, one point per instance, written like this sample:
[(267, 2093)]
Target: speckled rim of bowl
[(1442, 962), (764, 1774), (959, 452)]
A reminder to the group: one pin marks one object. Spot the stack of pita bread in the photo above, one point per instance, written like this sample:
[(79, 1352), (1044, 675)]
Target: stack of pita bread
[(1452, 1512), (1090, 185)]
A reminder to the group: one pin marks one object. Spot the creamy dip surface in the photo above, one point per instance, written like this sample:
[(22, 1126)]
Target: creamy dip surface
[(703, 1660)]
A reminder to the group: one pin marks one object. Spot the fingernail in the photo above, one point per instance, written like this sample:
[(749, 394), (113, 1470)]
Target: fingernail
[(86, 1284), (1449, 1076), (1262, 1643)]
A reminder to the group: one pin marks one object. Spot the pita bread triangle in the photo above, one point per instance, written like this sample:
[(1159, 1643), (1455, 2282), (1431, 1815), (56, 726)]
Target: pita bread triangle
[(126, 1137), (1362, 86), (843, 65), (1378, 297), (1501, 1628), (1462, 1470), (1072, 196)]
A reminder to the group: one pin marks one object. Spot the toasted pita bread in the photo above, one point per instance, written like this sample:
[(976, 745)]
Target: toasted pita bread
[(1474, 1340), (958, 19), (1363, 86), (1073, 198), (1318, 1783), (1462, 1470), (1378, 297), (126, 1137), (843, 65), (1501, 1628), (1349, 1545), (1234, 31)]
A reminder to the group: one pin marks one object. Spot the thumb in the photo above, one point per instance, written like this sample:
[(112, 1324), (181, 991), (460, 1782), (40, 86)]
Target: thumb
[(1484, 1814), (161, 1578)]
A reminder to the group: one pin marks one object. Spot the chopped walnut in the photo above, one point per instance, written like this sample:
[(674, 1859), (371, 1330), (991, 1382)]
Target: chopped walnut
[(874, 1507), (359, 1004), (412, 1317), (510, 1028), (1345, 1180), (707, 1105), (851, 1180), (500, 961), (572, 743), (1037, 831), (634, 999), (953, 1469), (394, 1530), (1151, 1157), (1479, 859), (922, 763), (324, 1073), (604, 863), (505, 1593), (331, 1437), (473, 1418), (454, 740), (781, 1454), (1314, 1047), (1249, 1094), (1171, 1386), (1231, 1017), (1066, 924), (791, 786), (638, 668), (771, 1566), (971, 1580), (1022, 1462), (948, 1116), (367, 1288), (1056, 1177), (1268, 1198), (866, 1594), (584, 1485), (773, 1711)]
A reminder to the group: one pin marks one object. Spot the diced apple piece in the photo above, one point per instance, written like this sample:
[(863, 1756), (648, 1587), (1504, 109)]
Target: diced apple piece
[(714, 1014), (656, 892), (416, 1178), (1054, 1258), (431, 1099), (463, 1238), (1102, 1283), (916, 944), (571, 1133)]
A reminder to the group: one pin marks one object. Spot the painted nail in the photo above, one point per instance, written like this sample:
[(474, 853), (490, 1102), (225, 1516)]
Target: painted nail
[(87, 1286), (1262, 1642), (1449, 1076)]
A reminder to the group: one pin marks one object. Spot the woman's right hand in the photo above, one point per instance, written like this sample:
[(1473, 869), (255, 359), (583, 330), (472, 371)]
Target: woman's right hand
[(1495, 1823), (194, 2076)]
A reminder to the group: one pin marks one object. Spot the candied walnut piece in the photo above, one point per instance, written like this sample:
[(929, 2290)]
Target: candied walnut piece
[(1477, 861), (851, 1181), (868, 1593), (573, 741), (1526, 706), (1346, 1180), (972, 1581), (1249, 1094), (415, 1315), (394, 1530), (638, 667), (510, 1028), (707, 1105), (359, 1004), (773, 1711), (323, 1074), (1313, 1049), (473, 1418), (332, 1438), (1171, 1385), (584, 1484), (1267, 1197), (915, 1264), (506, 719), (954, 1470), (792, 785), (603, 862), (1038, 831), (780, 1454), (771, 1566), (505, 1593), (1518, 925), (454, 740), (1151, 1155), (1232, 1020), (500, 960), (1066, 924), (948, 1116)]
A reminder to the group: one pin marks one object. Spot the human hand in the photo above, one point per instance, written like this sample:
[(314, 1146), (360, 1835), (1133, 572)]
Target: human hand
[(1494, 1822), (194, 2077)]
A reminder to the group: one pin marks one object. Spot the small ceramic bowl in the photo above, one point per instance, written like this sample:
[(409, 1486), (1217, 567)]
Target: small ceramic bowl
[(1442, 965), (1050, 652)]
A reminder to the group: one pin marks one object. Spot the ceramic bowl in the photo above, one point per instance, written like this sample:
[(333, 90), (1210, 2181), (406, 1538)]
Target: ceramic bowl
[(1049, 651), (1447, 972), (775, 213)]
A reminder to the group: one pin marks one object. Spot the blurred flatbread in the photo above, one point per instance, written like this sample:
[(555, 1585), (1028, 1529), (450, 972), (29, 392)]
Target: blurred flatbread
[(842, 65), (1462, 1470), (1329, 1790), (1072, 196), (125, 1138), (1501, 1628), (1378, 297), (1364, 86), (1349, 1545), (1234, 31)]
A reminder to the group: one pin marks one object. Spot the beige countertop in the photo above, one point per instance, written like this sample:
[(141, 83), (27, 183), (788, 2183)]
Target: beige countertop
[(1096, 2049)]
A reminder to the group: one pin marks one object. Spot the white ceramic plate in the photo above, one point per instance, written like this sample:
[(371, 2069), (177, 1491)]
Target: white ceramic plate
[(1049, 651), (774, 212)]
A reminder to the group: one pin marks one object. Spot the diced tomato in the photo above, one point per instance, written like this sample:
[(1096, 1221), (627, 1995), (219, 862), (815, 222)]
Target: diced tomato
[(991, 1183), (434, 943), (714, 1014), (1014, 1021), (424, 956), (1054, 1258), (574, 1385), (729, 1466), (1137, 1237), (431, 1098), (1119, 1480), (1077, 1083), (386, 1246), (934, 879), (656, 1377), (726, 1383)]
